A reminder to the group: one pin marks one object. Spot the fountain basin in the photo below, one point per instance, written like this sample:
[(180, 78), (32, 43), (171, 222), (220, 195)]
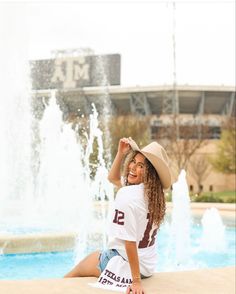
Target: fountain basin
[(54, 252), (62, 241)]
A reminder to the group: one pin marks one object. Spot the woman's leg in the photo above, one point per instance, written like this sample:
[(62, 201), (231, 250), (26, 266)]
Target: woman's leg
[(86, 267)]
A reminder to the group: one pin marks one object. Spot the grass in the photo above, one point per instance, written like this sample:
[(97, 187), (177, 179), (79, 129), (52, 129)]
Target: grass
[(221, 197)]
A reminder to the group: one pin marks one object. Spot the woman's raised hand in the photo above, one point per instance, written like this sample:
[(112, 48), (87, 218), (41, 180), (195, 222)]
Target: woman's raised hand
[(123, 146)]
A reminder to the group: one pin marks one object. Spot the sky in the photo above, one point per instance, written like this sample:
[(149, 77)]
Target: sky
[(140, 31)]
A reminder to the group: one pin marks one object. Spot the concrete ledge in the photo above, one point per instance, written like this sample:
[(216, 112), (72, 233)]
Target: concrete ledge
[(217, 281), (37, 243)]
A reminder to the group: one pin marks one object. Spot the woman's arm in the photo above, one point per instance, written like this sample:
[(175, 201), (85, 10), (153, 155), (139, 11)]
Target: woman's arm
[(114, 174), (132, 253)]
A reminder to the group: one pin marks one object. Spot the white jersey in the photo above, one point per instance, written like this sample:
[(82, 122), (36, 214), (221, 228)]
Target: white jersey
[(130, 222)]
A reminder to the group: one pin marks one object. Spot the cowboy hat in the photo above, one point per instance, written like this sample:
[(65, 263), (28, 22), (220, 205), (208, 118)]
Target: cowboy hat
[(156, 154)]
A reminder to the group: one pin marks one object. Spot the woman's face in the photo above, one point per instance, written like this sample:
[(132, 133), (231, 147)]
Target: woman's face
[(136, 170)]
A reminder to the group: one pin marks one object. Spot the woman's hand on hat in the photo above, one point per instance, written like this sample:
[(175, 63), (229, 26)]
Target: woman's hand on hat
[(135, 288), (124, 146)]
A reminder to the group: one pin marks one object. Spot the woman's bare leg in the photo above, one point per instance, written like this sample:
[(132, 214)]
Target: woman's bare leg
[(86, 267)]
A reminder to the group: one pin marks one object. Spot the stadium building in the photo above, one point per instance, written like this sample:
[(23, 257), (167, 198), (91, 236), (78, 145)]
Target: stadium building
[(83, 80)]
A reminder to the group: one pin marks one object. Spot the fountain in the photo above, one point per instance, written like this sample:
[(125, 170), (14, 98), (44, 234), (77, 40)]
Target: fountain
[(61, 182), (63, 194), (45, 169), (213, 237), (181, 220), (15, 117), (183, 253)]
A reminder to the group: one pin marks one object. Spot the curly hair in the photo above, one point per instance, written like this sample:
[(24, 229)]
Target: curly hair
[(153, 190)]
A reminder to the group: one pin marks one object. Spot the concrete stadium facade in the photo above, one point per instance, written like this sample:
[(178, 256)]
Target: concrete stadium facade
[(155, 100), (211, 105)]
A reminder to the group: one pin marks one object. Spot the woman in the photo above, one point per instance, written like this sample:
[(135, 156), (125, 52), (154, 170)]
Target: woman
[(139, 209)]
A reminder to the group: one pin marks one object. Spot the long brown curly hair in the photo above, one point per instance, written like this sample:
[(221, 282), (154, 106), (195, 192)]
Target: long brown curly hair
[(153, 191)]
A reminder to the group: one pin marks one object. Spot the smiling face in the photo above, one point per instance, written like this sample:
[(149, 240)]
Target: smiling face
[(136, 169)]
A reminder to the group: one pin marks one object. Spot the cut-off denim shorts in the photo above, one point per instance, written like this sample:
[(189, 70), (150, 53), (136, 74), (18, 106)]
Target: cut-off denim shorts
[(105, 256)]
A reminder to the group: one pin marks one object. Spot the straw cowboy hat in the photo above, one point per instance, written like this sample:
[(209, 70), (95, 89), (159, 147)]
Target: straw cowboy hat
[(156, 154)]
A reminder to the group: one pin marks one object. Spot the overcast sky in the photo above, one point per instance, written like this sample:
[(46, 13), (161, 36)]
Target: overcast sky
[(141, 31)]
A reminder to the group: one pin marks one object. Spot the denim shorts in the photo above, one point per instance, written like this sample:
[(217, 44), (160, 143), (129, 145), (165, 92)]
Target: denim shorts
[(105, 256)]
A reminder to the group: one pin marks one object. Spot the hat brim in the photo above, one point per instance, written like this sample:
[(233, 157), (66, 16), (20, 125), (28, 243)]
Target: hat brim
[(133, 145)]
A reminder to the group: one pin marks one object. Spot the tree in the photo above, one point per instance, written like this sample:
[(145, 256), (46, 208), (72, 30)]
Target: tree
[(224, 160), (136, 127), (182, 140), (200, 169)]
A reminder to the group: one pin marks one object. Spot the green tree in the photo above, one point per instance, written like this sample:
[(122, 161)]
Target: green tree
[(224, 160)]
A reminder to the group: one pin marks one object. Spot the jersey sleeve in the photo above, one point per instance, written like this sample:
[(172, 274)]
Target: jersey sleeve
[(123, 219)]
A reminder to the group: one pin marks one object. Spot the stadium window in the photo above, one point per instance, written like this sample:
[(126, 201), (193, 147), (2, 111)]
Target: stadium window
[(185, 131), (154, 132), (191, 188), (218, 132), (211, 188), (215, 133), (201, 188)]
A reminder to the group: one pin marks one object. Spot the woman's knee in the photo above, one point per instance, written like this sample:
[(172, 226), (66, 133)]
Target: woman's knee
[(88, 267)]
